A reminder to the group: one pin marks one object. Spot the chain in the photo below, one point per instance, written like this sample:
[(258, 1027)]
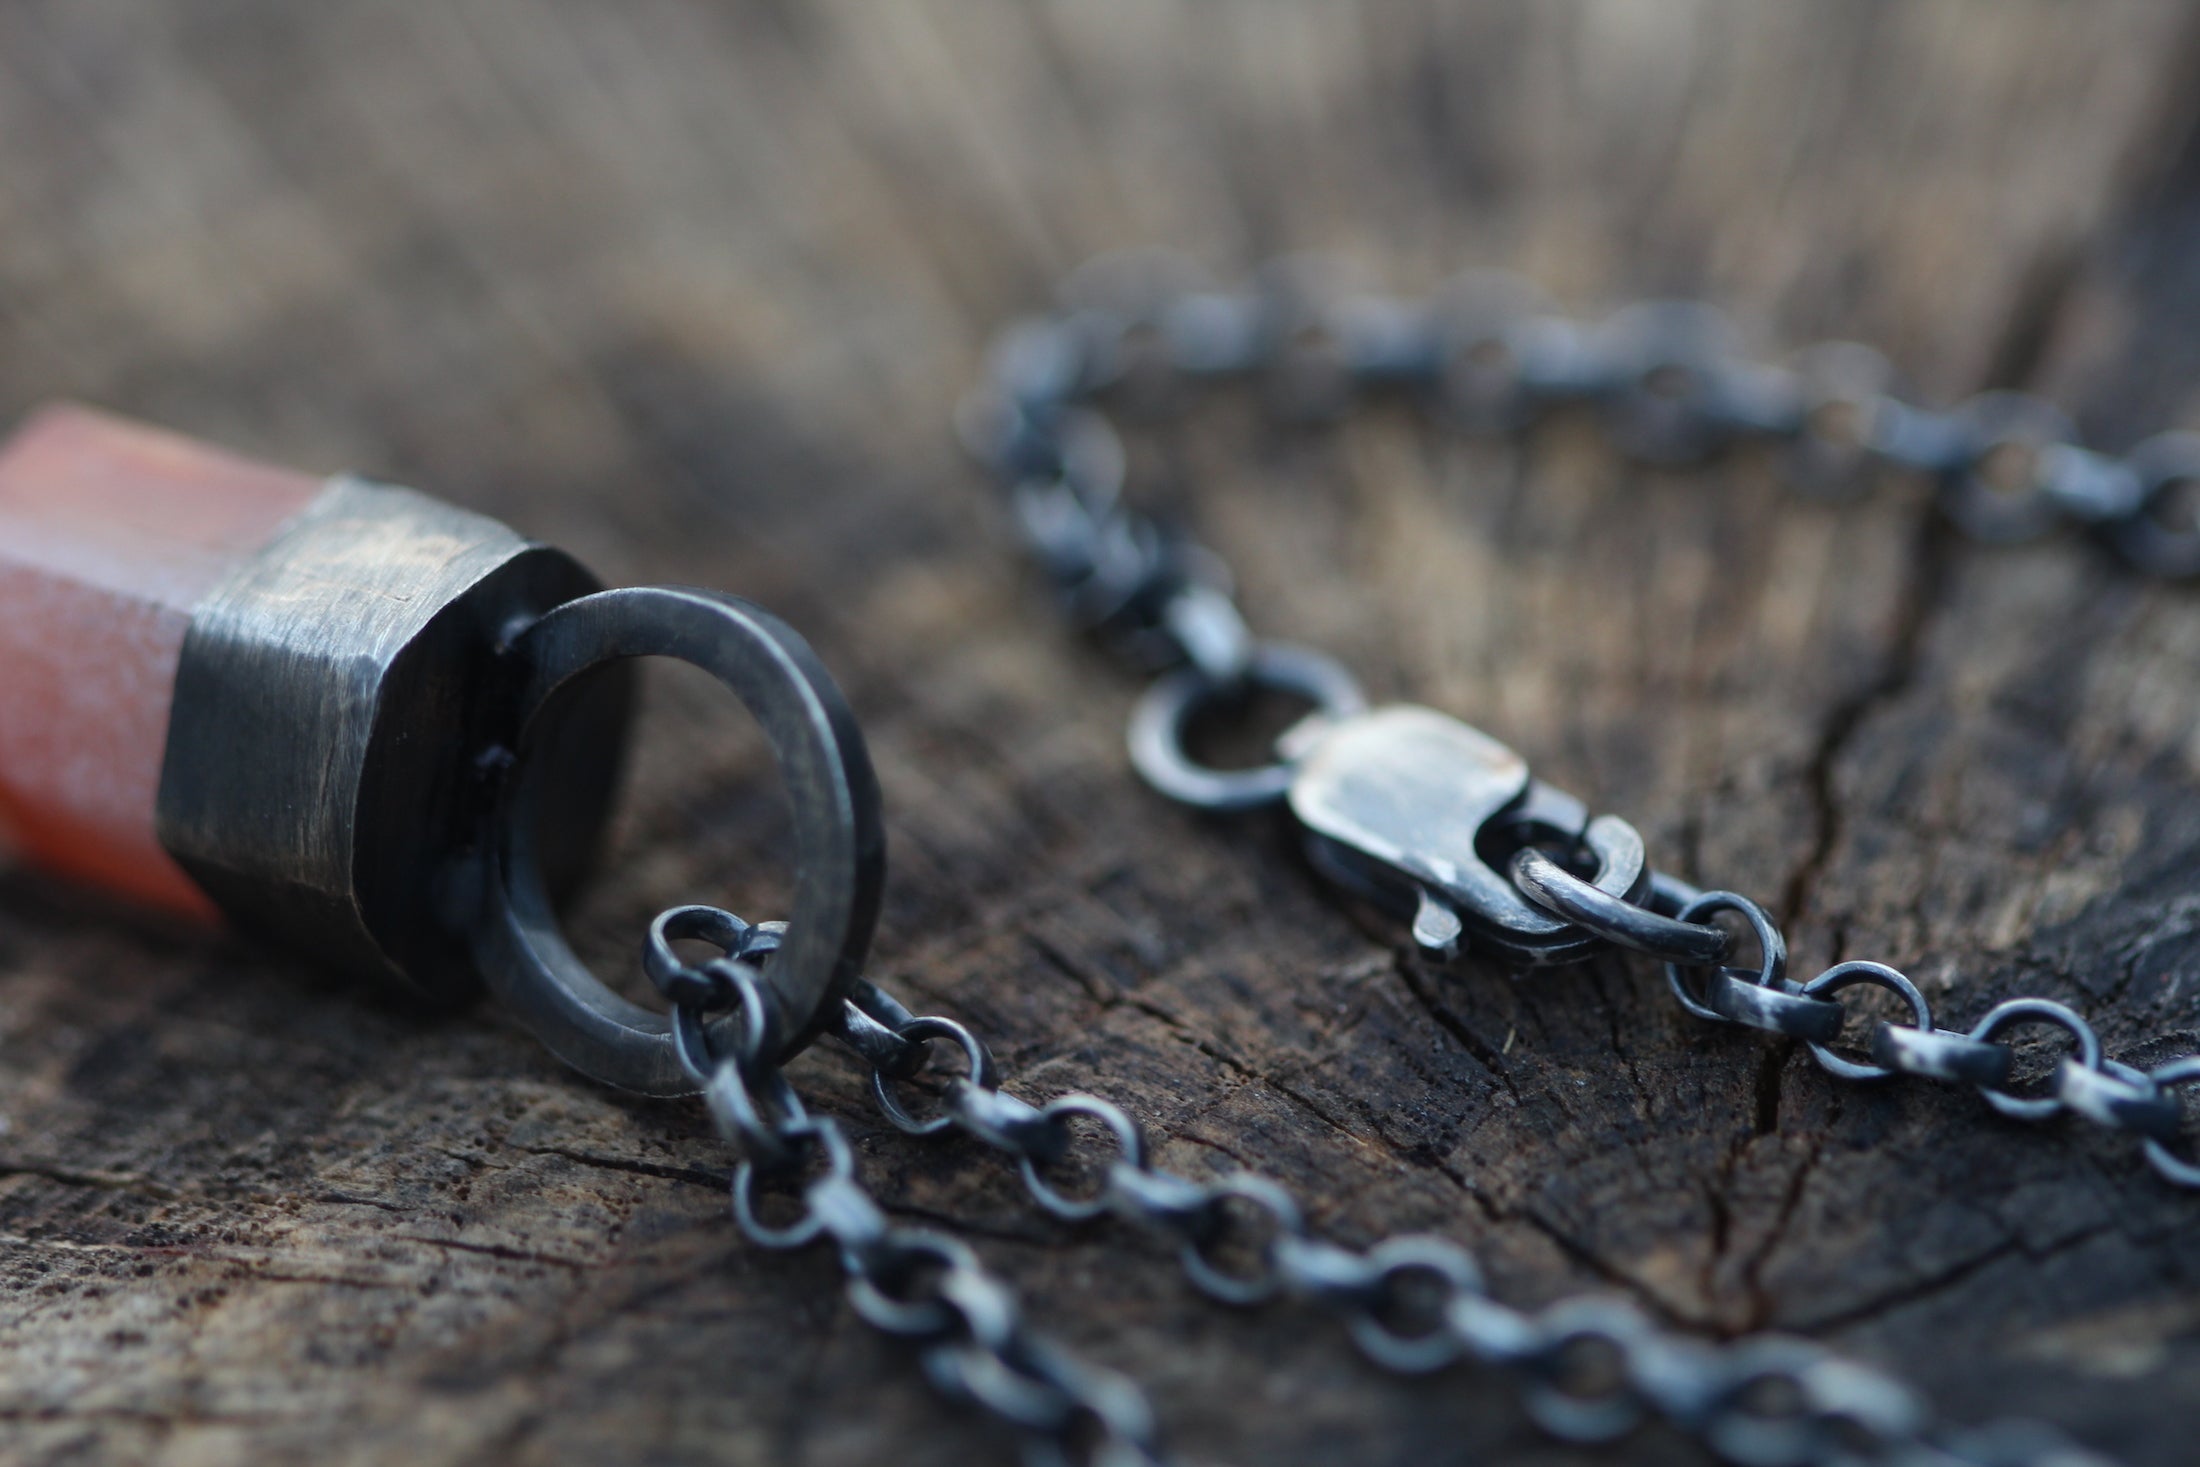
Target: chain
[(1593, 1368), (914, 1283), (1489, 355), (2084, 1081)]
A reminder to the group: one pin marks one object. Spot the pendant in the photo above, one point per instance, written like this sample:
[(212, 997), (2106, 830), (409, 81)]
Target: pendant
[(376, 728)]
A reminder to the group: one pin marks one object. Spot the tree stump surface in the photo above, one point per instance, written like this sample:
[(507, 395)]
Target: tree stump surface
[(692, 290)]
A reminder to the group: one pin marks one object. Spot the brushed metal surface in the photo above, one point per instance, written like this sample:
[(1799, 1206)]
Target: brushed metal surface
[(325, 778)]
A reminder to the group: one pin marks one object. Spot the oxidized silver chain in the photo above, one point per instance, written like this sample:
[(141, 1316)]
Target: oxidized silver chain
[(1593, 1367), (1534, 880), (1443, 825)]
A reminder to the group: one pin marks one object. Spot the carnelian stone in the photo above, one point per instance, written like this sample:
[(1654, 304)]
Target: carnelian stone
[(110, 532)]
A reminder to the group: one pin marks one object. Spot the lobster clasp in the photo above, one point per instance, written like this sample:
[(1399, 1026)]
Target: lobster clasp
[(1420, 814)]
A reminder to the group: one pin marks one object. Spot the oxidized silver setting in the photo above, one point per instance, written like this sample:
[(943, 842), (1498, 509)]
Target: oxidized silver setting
[(394, 742), (324, 780)]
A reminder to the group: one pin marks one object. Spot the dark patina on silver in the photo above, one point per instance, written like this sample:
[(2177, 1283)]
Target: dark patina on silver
[(395, 739), (322, 779), (840, 846)]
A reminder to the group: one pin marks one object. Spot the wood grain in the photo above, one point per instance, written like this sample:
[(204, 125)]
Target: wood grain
[(692, 289)]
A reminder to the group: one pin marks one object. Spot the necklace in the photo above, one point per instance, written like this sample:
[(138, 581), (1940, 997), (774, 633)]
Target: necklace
[(381, 728)]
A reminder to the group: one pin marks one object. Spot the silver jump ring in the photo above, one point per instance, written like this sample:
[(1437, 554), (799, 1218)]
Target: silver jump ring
[(921, 1315), (1772, 964), (1570, 1325), (840, 1165), (1994, 422), (1878, 975), (744, 1036), (705, 987), (1281, 1211), (1394, 1260), (1129, 1140), (840, 847), (978, 1057), (2163, 463), (2039, 1010), (1616, 920), (1159, 723)]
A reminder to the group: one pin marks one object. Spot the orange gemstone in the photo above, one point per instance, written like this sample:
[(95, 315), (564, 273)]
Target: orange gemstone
[(110, 532)]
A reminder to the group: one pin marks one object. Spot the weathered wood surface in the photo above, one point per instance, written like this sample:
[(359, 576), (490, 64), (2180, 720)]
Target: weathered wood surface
[(691, 290)]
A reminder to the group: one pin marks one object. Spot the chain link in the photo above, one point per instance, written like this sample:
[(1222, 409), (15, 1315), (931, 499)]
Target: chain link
[(1489, 356), (1593, 1368), (2083, 1081)]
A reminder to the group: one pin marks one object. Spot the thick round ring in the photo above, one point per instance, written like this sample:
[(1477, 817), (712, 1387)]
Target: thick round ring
[(1159, 723), (1615, 919), (2040, 1010), (1772, 966), (2172, 1167), (840, 848), (1878, 975)]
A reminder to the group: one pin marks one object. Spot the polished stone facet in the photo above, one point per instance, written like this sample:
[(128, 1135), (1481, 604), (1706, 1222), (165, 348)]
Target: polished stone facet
[(110, 533)]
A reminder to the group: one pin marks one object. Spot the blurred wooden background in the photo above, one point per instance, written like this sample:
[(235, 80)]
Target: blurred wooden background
[(614, 272)]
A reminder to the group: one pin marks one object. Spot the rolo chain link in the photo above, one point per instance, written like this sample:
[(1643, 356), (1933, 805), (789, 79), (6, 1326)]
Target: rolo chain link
[(1593, 1368), (915, 1283), (1489, 355)]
